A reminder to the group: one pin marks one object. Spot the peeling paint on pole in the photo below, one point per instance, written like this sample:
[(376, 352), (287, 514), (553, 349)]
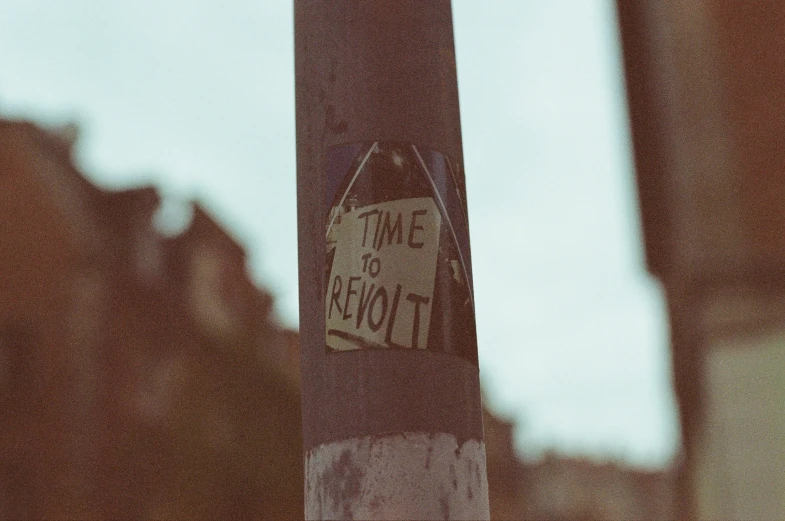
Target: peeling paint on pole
[(400, 476), (392, 415)]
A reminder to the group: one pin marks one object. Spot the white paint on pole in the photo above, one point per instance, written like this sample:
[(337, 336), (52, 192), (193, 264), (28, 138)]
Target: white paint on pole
[(397, 476)]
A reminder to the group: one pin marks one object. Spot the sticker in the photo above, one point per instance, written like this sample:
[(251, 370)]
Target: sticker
[(397, 272)]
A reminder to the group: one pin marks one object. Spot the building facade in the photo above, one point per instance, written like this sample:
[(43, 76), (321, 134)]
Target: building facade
[(142, 375)]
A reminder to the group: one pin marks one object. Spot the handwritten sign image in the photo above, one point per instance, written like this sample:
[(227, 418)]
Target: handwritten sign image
[(397, 270), (380, 290)]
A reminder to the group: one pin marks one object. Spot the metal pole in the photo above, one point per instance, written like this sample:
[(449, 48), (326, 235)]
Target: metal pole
[(392, 416)]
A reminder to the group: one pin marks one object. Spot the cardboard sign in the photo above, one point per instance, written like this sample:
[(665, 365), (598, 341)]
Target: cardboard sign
[(397, 265), (380, 290)]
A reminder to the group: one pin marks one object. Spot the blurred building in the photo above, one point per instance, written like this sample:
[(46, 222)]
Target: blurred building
[(141, 376), (561, 489), (706, 95)]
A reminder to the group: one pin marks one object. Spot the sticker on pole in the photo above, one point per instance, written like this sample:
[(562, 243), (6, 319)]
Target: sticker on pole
[(397, 272)]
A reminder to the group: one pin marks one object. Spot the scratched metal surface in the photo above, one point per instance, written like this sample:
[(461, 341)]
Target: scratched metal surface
[(401, 476)]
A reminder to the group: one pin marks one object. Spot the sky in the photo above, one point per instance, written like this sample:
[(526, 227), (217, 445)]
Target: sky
[(197, 97)]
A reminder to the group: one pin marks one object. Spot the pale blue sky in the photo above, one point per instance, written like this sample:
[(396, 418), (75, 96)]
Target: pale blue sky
[(198, 97)]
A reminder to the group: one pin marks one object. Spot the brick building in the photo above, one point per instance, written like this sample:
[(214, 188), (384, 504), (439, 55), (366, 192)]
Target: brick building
[(570, 489), (141, 376)]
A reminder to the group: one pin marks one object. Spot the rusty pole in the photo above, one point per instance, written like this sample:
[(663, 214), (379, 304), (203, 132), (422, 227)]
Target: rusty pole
[(392, 416)]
